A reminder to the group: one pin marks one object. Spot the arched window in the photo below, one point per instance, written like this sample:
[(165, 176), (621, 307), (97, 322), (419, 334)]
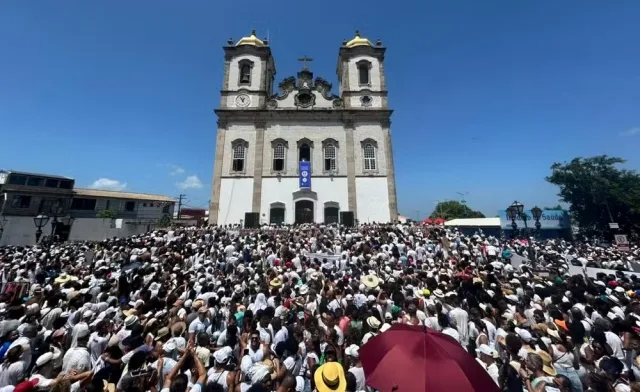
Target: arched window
[(330, 152), (369, 155), (279, 147), (364, 67), (245, 67), (305, 147), (239, 147)]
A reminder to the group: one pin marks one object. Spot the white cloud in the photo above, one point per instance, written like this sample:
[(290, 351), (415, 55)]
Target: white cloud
[(191, 182), (108, 184), (631, 132), (174, 170)]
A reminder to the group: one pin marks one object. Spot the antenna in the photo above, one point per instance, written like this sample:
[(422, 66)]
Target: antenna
[(268, 40)]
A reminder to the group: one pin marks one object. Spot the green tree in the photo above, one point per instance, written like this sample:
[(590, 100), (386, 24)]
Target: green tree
[(165, 221), (557, 207), (453, 209), (106, 214), (599, 193)]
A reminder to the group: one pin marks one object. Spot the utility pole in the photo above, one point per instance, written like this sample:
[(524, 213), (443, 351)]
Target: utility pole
[(180, 198), (417, 215), (462, 195)]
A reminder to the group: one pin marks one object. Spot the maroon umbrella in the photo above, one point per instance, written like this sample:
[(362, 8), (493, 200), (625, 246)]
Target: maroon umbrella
[(408, 358)]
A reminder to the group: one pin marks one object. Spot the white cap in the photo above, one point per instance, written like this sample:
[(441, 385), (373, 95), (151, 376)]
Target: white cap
[(46, 358), (352, 351), (524, 334), (484, 349)]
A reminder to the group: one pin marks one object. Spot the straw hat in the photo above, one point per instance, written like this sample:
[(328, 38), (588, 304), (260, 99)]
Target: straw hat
[(330, 378), (371, 281), (275, 282), (554, 334), (373, 322), (107, 387), (547, 367)]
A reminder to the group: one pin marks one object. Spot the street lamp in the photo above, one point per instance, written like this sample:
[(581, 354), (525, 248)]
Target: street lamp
[(537, 214), (40, 221), (67, 220), (55, 210), (512, 213), (3, 221)]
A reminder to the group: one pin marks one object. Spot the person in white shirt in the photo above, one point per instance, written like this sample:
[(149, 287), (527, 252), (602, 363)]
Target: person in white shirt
[(98, 341), (486, 358), (353, 356)]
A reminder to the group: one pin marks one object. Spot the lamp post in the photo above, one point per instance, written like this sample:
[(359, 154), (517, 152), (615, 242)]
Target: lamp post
[(55, 210), (537, 214), (511, 214), (40, 221), (3, 221)]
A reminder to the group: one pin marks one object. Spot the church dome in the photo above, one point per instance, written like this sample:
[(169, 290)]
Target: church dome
[(358, 41), (251, 40)]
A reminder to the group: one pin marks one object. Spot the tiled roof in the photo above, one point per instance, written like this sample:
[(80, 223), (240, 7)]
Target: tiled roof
[(120, 195)]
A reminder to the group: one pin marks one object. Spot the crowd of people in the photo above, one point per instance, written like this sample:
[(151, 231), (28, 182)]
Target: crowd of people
[(219, 309)]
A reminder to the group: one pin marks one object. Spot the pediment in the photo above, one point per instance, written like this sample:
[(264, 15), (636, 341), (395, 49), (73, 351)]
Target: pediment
[(304, 93)]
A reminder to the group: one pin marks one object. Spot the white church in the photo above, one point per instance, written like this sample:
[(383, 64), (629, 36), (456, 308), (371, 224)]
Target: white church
[(301, 153)]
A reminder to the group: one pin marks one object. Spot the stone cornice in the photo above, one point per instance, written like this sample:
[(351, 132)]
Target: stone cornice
[(316, 114)]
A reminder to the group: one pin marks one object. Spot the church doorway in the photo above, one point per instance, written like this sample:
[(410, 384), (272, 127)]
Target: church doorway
[(276, 213), (304, 211), (331, 215)]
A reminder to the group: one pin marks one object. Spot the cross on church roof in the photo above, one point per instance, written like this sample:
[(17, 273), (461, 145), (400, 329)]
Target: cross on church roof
[(304, 60)]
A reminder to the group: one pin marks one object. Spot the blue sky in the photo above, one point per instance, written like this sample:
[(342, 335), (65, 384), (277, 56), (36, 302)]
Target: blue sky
[(487, 94)]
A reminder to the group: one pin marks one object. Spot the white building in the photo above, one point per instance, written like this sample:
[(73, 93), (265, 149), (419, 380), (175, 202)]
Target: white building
[(263, 136)]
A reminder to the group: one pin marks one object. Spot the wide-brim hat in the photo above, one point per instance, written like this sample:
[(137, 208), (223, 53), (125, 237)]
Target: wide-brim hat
[(371, 281), (330, 378), (62, 278), (547, 365), (275, 282)]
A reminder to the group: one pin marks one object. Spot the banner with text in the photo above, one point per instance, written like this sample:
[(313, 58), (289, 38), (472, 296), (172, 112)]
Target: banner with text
[(305, 174), (550, 219)]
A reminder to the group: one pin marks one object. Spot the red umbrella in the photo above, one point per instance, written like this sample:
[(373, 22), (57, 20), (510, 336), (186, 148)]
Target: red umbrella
[(438, 221), (408, 358), (427, 221)]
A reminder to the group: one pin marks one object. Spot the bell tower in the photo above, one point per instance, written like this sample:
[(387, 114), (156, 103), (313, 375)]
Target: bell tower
[(248, 75), (361, 74)]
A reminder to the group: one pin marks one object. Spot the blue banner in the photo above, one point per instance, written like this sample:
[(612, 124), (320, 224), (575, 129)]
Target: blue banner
[(305, 174), (550, 219)]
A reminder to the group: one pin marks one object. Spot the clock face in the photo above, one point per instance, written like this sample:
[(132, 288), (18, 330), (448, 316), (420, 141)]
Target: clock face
[(243, 100)]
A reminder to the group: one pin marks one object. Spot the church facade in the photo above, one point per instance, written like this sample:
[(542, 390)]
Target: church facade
[(297, 152)]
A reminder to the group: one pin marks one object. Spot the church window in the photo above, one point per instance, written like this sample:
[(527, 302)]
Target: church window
[(364, 67), (330, 151), (245, 67), (369, 153), (239, 151), (279, 147), (305, 153)]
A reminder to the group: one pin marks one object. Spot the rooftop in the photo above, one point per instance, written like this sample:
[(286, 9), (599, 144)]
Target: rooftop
[(474, 222), (23, 173), (120, 195)]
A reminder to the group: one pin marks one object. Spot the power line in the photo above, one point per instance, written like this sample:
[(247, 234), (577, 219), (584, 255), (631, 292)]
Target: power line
[(180, 198)]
